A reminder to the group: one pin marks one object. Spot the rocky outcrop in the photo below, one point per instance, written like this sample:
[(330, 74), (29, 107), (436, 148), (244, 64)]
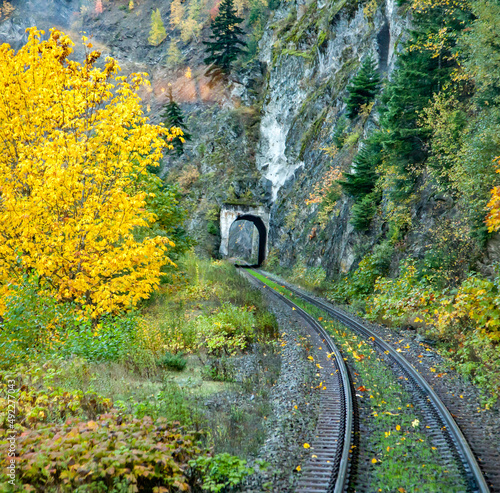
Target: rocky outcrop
[(311, 52)]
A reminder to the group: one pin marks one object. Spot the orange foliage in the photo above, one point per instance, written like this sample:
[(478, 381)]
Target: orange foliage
[(321, 188)]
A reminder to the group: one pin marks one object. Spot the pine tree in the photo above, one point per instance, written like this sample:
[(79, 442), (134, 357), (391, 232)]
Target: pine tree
[(363, 87), (364, 211), (174, 55), (158, 32), (224, 49), (173, 117), (362, 180), (176, 12)]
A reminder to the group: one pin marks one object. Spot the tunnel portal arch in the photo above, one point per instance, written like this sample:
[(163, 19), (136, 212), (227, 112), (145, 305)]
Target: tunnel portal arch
[(258, 215)]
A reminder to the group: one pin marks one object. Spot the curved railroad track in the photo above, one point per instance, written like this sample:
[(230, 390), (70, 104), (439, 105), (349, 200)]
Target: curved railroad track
[(330, 464), (444, 431)]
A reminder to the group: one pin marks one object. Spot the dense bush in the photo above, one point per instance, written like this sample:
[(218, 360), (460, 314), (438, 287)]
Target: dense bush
[(466, 318), (267, 325), (173, 361), (222, 471), (399, 300), (35, 323), (309, 277), (228, 330), (38, 400), (360, 283), (109, 339), (114, 453)]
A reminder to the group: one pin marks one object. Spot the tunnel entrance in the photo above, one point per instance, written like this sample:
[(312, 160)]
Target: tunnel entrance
[(232, 223), (247, 240)]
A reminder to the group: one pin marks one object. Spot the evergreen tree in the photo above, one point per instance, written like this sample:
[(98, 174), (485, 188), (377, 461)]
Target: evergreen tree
[(158, 32), (173, 117), (174, 55), (362, 180), (364, 211), (363, 87), (224, 49), (360, 184), (419, 75)]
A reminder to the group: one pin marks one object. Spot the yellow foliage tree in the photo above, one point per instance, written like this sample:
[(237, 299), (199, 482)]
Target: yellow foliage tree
[(176, 12), (190, 29), (493, 217), (6, 10), (158, 32), (74, 147)]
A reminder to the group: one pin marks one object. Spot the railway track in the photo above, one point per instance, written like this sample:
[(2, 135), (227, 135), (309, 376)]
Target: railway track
[(331, 461), (443, 430)]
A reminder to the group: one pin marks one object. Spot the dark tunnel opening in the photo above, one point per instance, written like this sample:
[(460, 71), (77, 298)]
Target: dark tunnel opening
[(261, 229)]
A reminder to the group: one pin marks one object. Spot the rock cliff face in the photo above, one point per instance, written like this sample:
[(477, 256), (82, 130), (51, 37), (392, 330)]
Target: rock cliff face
[(267, 137), (312, 51)]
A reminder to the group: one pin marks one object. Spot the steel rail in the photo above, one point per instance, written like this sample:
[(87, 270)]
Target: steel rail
[(473, 472), (338, 482)]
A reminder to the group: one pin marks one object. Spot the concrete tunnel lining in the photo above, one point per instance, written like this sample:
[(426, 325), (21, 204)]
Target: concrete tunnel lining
[(258, 215)]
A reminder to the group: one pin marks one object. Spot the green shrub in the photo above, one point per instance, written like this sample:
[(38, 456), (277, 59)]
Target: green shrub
[(221, 471), (227, 331), (267, 325), (478, 358), (170, 402), (173, 361), (398, 300), (114, 453), (309, 277), (33, 322), (212, 228), (360, 283), (110, 339)]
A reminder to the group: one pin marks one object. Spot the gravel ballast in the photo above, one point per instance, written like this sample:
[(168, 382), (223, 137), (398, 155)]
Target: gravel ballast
[(295, 404)]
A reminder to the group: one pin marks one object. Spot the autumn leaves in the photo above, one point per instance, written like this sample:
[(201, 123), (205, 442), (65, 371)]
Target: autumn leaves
[(74, 148)]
